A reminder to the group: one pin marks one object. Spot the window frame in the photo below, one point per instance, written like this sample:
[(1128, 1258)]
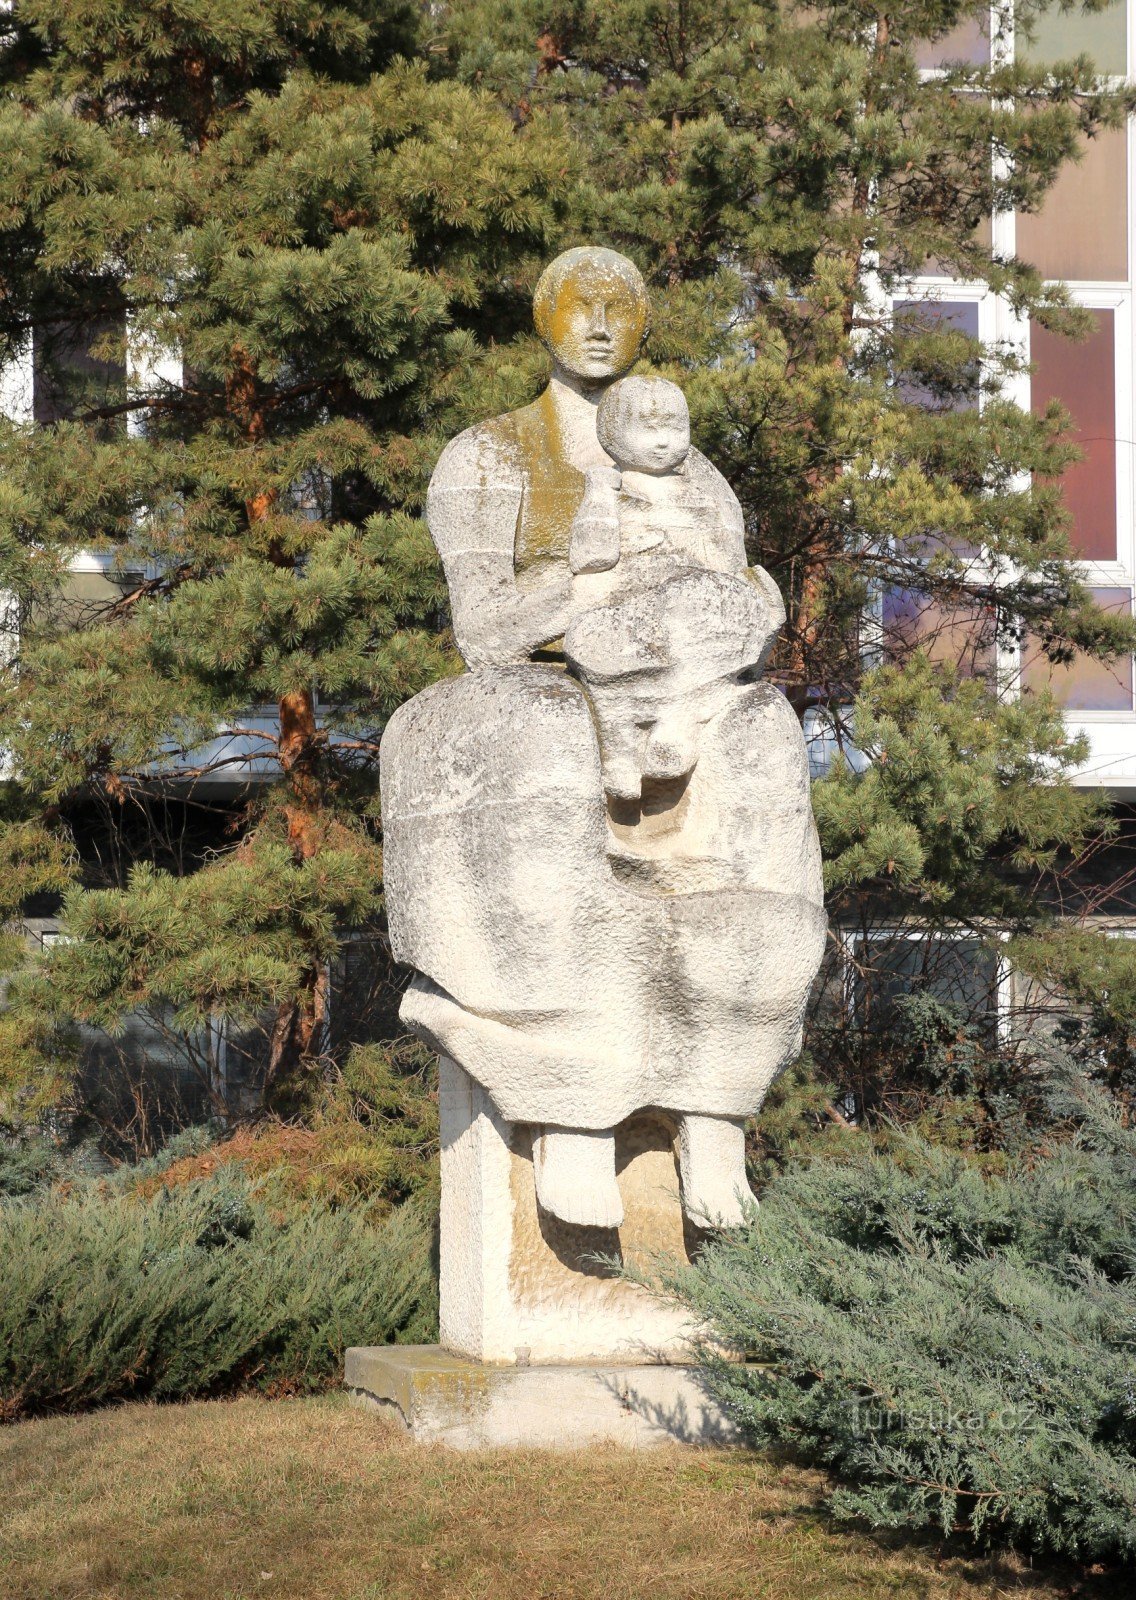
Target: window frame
[(848, 937)]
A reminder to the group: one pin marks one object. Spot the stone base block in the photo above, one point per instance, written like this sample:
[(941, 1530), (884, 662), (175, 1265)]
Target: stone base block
[(519, 1286), (448, 1399)]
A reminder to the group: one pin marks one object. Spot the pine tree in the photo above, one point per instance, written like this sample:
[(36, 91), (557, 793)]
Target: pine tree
[(333, 218), (782, 172), (305, 249)]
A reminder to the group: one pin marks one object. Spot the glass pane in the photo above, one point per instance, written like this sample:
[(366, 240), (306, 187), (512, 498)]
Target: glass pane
[(365, 995), (928, 316), (958, 636), (248, 1047), (969, 41), (983, 237), (1103, 36), (147, 1080), (68, 379), (1080, 375), (960, 973), (1085, 684), (82, 599), (1082, 229)]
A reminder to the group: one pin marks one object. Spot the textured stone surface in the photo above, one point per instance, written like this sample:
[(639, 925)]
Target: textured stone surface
[(582, 966), (520, 1284), (662, 664), (599, 852), (444, 1399)]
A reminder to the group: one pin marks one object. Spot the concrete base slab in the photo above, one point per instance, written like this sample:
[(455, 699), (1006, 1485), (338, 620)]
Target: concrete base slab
[(449, 1399)]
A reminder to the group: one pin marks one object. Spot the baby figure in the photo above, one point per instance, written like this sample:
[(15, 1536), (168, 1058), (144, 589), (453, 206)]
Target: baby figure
[(645, 504), (676, 622)]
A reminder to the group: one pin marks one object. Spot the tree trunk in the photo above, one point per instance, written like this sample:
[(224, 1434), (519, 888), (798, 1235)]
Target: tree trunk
[(298, 1038)]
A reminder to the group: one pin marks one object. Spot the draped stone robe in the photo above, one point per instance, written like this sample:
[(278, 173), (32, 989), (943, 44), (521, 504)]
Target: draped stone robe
[(579, 962)]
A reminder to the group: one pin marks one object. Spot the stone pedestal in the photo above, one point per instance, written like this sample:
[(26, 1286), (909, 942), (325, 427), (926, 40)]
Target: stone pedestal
[(520, 1287), (445, 1399)]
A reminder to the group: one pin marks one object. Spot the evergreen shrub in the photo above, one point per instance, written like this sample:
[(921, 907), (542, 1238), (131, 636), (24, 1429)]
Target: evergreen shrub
[(201, 1289), (369, 1142), (26, 1164), (957, 1347)]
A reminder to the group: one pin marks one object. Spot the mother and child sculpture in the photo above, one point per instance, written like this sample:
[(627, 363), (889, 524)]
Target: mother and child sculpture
[(600, 856)]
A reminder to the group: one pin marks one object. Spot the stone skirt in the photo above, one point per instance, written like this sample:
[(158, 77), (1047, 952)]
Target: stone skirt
[(575, 990)]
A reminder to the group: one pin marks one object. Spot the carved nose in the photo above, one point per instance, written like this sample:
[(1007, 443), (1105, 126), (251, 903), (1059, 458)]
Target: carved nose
[(597, 323)]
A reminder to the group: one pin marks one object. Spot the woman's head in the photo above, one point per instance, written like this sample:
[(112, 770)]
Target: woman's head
[(591, 310), (644, 425)]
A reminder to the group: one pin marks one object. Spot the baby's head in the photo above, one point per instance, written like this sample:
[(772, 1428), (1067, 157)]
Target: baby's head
[(644, 425)]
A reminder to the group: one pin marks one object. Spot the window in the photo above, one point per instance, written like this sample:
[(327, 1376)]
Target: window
[(1081, 232), (1082, 377), (959, 971), (935, 316), (969, 42), (77, 368), (960, 636), (1063, 35), (1085, 684)]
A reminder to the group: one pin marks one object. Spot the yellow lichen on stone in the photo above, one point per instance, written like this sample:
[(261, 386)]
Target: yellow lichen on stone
[(585, 278)]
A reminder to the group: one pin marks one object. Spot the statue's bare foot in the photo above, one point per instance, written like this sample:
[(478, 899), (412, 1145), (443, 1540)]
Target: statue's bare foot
[(671, 751), (711, 1160), (575, 1176)]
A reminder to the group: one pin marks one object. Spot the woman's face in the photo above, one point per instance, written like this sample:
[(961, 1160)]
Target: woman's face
[(597, 324)]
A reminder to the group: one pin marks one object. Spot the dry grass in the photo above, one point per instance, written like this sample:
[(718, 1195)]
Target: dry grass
[(341, 1161), (312, 1500)]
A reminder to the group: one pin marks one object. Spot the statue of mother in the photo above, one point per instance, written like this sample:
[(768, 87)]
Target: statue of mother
[(584, 957)]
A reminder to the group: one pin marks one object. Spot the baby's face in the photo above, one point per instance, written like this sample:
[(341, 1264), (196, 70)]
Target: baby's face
[(652, 437)]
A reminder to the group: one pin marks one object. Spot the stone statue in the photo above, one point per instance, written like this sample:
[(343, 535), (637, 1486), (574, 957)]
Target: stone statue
[(600, 858)]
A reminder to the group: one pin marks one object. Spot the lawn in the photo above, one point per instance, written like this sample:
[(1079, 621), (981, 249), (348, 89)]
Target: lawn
[(313, 1500)]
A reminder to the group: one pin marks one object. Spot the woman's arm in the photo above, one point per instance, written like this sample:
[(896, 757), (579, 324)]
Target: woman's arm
[(472, 509), (496, 623)]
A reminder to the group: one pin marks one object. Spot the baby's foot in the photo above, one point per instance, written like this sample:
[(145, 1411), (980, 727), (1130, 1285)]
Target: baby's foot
[(621, 747), (575, 1176), (711, 1162), (671, 751), (622, 779)]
